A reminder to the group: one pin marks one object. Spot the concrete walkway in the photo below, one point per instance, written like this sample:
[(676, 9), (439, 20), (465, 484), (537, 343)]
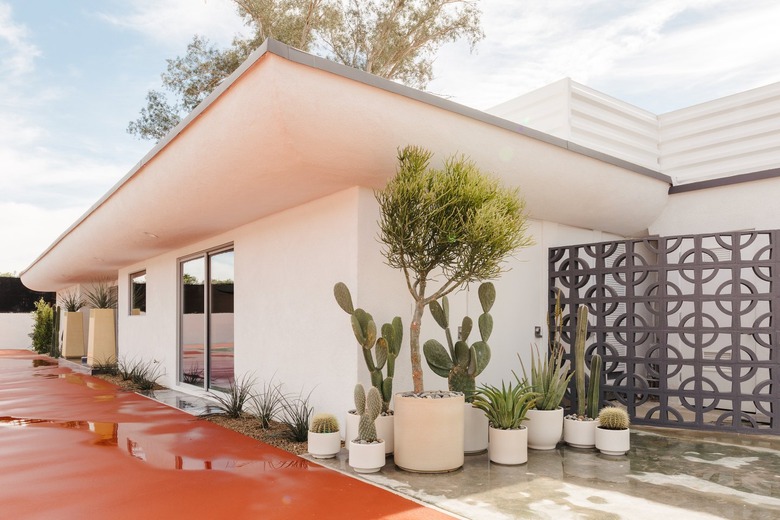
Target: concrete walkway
[(73, 446)]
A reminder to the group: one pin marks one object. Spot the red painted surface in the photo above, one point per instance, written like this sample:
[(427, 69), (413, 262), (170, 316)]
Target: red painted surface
[(74, 446)]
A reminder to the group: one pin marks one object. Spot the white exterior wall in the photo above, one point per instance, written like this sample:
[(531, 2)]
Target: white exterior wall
[(14, 330)]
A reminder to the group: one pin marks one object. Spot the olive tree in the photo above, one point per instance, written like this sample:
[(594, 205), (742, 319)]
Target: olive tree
[(445, 228)]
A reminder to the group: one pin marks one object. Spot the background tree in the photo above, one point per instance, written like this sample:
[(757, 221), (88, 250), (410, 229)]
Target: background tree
[(445, 228), (394, 39)]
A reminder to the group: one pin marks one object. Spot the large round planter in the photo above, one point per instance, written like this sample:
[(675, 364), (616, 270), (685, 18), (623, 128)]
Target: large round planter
[(475, 430), (508, 446), (367, 458), (324, 445), (429, 433), (385, 430), (580, 434), (545, 428), (613, 442)]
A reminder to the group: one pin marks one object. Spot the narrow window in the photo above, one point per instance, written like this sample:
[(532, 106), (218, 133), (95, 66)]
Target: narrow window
[(138, 293)]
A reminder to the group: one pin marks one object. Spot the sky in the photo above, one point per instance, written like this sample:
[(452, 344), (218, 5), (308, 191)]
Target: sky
[(73, 73)]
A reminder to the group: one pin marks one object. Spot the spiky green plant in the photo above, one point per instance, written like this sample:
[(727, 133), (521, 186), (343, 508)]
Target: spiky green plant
[(267, 403), (324, 423), (586, 406), (549, 378), (71, 301), (505, 407), (101, 296), (462, 364), (378, 353), (294, 416), (231, 403), (614, 418), (371, 410)]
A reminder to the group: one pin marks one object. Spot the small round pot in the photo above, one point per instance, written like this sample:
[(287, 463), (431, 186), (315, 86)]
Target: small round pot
[(475, 430), (613, 442), (367, 458), (508, 447), (545, 428), (324, 445), (580, 434)]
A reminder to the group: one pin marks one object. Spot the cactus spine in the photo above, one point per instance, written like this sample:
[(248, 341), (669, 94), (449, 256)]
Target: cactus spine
[(324, 423), (377, 352), (613, 418), (372, 409), (462, 364)]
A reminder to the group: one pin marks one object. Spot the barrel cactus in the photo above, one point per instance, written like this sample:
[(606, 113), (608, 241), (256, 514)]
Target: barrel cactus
[(613, 418), (378, 352), (462, 364), (324, 423), (371, 410)]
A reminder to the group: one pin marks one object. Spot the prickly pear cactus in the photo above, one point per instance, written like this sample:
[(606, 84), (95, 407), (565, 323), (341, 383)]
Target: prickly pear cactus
[(324, 423), (613, 418), (360, 399), (463, 363), (367, 426), (378, 352)]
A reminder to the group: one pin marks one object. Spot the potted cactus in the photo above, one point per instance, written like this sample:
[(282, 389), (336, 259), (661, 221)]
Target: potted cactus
[(324, 439), (378, 353), (579, 430), (367, 452), (506, 409), (461, 363), (612, 435)]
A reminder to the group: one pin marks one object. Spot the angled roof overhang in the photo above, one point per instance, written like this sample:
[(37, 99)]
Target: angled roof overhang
[(288, 127)]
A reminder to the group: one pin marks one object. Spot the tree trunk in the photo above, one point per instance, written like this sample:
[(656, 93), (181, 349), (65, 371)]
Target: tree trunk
[(414, 345)]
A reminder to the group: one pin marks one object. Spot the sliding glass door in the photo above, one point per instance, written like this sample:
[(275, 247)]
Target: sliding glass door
[(206, 319)]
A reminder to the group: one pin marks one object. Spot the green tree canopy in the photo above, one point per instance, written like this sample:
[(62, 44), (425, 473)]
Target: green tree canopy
[(444, 228), (394, 39)]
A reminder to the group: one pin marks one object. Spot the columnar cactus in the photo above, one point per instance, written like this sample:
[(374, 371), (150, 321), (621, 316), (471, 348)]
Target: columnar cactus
[(462, 364), (377, 352), (372, 409), (324, 423), (586, 406), (613, 418)]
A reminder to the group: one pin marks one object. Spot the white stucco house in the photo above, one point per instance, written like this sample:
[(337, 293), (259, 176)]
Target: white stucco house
[(266, 190)]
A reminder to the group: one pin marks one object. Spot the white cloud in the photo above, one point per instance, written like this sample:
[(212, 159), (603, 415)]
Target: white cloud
[(17, 54), (174, 22)]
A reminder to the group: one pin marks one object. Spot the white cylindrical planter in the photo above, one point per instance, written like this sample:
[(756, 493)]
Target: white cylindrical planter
[(580, 434), (475, 430), (545, 428), (385, 425), (324, 445), (73, 335), (367, 458), (613, 442), (429, 433), (508, 446)]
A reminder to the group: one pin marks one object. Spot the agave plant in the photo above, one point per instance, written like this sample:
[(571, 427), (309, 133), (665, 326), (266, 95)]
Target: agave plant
[(101, 296), (71, 301), (505, 407), (549, 378)]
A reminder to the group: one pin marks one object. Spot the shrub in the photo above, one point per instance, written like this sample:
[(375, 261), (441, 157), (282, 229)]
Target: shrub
[(43, 328)]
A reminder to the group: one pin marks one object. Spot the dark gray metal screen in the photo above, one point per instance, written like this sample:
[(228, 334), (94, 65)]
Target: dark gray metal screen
[(687, 325)]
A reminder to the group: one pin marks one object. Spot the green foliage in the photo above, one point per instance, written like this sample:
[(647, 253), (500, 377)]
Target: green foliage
[(593, 386), (101, 296), (462, 364), (549, 378), (453, 225), (360, 399), (394, 40), (143, 374), (108, 366), (367, 425), (295, 414), (239, 392), (71, 301), (613, 418), (43, 327), (324, 423), (505, 407), (267, 404), (378, 353), (586, 406)]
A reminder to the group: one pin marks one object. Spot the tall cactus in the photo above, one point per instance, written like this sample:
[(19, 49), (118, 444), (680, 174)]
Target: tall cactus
[(586, 406), (372, 409), (462, 364), (377, 352)]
